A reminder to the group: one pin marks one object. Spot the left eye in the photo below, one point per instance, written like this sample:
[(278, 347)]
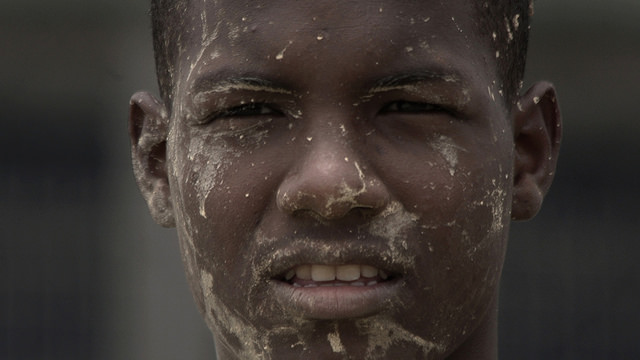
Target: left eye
[(253, 109), (410, 107)]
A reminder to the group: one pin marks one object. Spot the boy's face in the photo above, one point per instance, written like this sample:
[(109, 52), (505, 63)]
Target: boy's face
[(368, 139)]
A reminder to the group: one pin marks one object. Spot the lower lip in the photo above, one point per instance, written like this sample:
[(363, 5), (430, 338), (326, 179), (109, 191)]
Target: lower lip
[(339, 302)]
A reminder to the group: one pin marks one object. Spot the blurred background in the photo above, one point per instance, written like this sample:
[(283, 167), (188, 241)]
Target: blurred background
[(86, 274)]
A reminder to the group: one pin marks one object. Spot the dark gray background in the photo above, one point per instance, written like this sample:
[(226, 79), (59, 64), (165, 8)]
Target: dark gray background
[(85, 274)]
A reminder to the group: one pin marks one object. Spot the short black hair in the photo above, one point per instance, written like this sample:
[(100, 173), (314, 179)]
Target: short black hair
[(505, 23), (167, 22)]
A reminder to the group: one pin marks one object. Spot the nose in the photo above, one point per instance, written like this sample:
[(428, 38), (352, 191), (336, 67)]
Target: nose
[(331, 181)]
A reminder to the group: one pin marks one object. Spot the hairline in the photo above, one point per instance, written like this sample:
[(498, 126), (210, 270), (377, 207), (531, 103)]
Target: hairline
[(506, 22)]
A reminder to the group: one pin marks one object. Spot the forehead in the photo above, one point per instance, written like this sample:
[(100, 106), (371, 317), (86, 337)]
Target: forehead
[(355, 35)]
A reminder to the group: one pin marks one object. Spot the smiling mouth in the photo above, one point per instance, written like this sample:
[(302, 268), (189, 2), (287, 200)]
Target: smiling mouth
[(317, 275), (325, 291)]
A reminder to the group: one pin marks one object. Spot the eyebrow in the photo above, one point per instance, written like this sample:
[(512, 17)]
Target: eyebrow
[(408, 80), (221, 83)]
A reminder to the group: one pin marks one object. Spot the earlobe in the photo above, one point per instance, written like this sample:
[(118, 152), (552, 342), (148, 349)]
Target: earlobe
[(537, 126), (148, 129)]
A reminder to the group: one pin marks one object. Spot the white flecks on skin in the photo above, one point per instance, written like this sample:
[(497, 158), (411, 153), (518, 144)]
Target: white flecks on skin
[(187, 247), (207, 39), (384, 332), (490, 91), (392, 224), (234, 32), (456, 24), (420, 89), (509, 32), (210, 155), (516, 22), (335, 342), (496, 199), (206, 286), (297, 114), (280, 55), (448, 150), (229, 324), (228, 86), (346, 194), (211, 160), (343, 130)]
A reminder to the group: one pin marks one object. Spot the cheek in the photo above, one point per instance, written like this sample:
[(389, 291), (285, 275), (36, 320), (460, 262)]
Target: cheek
[(219, 191), (462, 199), (472, 212)]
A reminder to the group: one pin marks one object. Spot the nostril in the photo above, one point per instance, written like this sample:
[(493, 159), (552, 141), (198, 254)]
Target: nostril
[(323, 209), (330, 188)]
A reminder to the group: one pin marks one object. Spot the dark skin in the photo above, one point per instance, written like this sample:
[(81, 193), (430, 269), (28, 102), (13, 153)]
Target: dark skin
[(374, 155)]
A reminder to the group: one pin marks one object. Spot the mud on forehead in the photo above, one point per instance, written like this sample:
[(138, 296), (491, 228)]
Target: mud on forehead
[(187, 23), (228, 21), (258, 36)]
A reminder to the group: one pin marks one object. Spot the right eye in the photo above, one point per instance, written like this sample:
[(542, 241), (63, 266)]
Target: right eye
[(247, 110), (241, 118), (410, 107)]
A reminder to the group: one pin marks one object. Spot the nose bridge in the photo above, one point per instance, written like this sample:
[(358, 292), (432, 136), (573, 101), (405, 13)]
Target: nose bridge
[(332, 178)]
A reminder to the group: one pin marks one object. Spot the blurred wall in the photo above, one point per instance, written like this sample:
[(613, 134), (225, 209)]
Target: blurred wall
[(85, 274)]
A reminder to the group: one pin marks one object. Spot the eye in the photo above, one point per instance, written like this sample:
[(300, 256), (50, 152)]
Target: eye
[(248, 110), (410, 107), (241, 118)]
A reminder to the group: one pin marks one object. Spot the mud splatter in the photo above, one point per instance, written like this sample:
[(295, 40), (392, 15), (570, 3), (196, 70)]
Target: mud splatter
[(233, 328), (384, 332), (346, 194), (280, 55), (448, 150), (393, 224), (335, 342)]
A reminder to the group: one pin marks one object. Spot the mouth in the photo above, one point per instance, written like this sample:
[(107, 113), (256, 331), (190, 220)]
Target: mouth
[(316, 275), (326, 291)]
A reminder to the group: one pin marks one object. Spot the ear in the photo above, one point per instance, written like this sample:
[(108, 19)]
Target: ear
[(537, 126), (148, 129)]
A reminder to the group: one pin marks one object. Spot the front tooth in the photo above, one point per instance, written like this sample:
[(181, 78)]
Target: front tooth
[(348, 272), (369, 271), (303, 272), (323, 272)]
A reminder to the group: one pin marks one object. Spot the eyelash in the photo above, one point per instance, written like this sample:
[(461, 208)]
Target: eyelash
[(256, 109), (411, 107), (246, 110)]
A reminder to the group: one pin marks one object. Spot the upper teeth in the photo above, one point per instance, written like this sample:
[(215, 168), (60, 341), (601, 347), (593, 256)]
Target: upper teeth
[(334, 272)]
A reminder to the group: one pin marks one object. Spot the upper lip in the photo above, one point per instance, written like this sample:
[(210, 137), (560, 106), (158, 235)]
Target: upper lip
[(304, 251)]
